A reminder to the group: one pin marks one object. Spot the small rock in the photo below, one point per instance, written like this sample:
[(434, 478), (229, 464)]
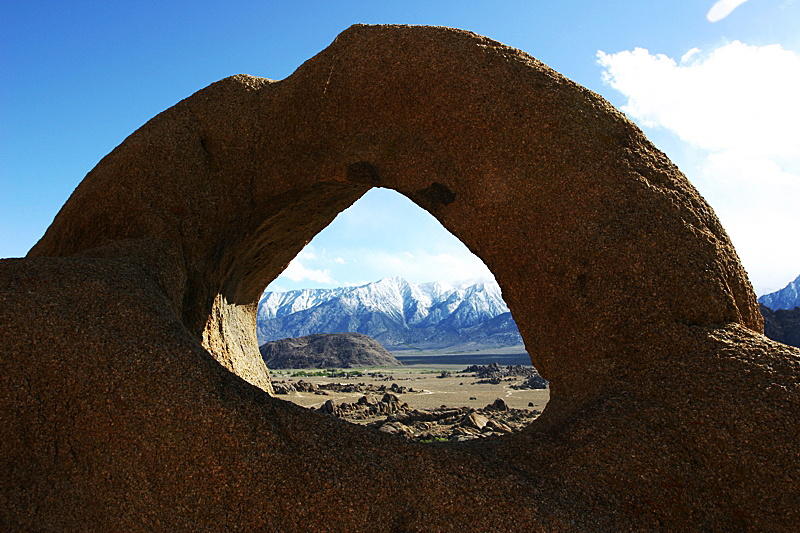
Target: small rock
[(367, 400), (498, 405), (328, 407), (499, 426), (389, 398), (474, 420)]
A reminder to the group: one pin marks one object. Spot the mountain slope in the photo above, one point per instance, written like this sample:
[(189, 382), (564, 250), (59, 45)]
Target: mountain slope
[(786, 298), (782, 325), (339, 350), (396, 313)]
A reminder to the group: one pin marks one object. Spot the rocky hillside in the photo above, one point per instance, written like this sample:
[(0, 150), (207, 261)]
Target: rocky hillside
[(396, 313), (339, 350), (786, 298), (782, 325)]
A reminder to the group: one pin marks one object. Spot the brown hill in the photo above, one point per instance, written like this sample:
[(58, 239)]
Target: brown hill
[(327, 350)]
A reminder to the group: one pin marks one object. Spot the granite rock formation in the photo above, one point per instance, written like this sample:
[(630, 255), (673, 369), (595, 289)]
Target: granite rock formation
[(326, 350), (133, 396)]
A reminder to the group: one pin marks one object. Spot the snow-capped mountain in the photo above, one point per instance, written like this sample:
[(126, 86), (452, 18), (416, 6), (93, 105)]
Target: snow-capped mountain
[(786, 298), (395, 312)]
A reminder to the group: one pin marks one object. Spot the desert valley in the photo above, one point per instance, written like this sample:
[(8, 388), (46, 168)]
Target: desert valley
[(473, 383)]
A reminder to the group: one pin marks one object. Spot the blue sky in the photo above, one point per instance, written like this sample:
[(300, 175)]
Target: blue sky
[(720, 98)]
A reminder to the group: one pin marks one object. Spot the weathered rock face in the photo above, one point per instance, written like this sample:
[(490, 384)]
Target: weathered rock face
[(669, 409)]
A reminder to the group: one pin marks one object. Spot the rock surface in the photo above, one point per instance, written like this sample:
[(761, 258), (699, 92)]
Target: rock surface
[(128, 333), (494, 373), (454, 424), (332, 350)]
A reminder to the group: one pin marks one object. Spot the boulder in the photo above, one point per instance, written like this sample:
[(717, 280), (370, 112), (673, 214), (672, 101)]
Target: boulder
[(498, 405), (367, 400), (474, 420)]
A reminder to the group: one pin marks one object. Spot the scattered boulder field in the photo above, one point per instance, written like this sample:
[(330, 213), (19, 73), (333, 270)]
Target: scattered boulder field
[(381, 407), (453, 424)]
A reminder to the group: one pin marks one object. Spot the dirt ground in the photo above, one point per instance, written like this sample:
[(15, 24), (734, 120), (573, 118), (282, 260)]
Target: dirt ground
[(458, 390)]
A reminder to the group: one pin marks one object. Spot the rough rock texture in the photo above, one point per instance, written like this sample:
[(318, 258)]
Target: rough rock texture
[(669, 409), (331, 350)]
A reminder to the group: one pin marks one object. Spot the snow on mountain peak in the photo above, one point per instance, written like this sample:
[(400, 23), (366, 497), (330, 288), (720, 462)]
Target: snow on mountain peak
[(786, 298), (457, 304)]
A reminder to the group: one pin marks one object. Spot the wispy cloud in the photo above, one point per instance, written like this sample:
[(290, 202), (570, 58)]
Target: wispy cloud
[(722, 9), (738, 107), (297, 272), (422, 266), (739, 97)]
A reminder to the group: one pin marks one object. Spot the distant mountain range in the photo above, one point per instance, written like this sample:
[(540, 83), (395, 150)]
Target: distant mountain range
[(395, 312), (786, 298)]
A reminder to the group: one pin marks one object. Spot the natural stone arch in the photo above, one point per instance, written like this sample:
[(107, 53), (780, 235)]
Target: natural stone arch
[(619, 276), (600, 244)]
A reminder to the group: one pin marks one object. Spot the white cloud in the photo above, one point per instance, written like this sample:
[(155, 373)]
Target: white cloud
[(722, 9), (738, 105), (739, 97), (339, 261), (297, 272), (422, 266), (307, 254), (757, 203)]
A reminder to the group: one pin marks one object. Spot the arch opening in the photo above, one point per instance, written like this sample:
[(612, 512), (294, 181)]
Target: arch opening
[(388, 270)]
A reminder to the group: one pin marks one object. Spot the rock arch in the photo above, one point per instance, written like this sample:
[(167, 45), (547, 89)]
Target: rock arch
[(620, 277)]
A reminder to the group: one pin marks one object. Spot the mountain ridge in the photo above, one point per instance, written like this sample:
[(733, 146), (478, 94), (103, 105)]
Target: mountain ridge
[(787, 298), (397, 313)]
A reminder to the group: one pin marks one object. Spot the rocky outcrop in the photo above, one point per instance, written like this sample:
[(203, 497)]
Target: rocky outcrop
[(454, 424), (327, 350), (782, 325), (365, 407), (133, 396), (287, 387), (494, 374)]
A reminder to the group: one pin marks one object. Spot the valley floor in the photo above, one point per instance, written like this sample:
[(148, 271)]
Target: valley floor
[(443, 401)]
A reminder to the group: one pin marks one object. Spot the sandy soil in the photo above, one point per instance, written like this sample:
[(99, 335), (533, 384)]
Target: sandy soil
[(455, 391)]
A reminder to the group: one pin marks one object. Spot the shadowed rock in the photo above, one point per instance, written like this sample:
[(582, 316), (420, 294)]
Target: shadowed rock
[(129, 330)]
